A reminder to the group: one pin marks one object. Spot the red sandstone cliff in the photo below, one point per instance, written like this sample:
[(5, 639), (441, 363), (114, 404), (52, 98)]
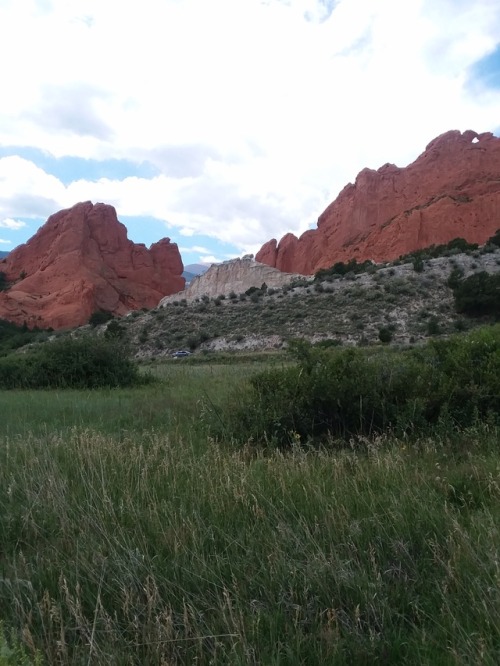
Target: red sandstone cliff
[(81, 261), (451, 190)]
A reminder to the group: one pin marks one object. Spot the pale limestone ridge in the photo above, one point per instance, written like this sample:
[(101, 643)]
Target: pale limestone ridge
[(236, 275)]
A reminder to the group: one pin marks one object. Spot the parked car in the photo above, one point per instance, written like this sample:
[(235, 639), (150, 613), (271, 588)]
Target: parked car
[(181, 354)]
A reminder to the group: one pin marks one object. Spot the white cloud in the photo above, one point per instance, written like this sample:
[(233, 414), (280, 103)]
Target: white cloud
[(194, 248), (210, 259), (6, 242), (9, 223), (256, 112)]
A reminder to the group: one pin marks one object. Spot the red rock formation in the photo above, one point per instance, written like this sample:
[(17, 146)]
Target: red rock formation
[(452, 190), (81, 261)]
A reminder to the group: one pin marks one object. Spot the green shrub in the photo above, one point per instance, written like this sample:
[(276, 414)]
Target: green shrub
[(13, 336), (385, 335), (478, 295), (433, 327), (69, 363), (465, 376), (114, 330), (327, 394), (328, 343), (340, 268), (340, 394), (193, 342), (454, 278), (455, 246), (495, 239), (418, 264), (100, 317)]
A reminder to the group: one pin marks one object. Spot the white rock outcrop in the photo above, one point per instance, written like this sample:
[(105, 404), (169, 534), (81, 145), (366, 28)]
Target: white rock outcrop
[(236, 275)]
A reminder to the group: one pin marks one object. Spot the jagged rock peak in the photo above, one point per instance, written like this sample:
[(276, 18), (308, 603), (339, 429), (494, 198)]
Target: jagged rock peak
[(81, 261), (451, 190)]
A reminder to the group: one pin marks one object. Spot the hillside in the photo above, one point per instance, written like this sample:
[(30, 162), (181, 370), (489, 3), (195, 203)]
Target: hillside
[(411, 300)]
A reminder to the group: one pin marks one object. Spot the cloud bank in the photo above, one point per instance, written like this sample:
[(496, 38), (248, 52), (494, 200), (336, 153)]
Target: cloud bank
[(233, 121)]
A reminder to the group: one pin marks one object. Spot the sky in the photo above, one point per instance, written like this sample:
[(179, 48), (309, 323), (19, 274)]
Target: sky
[(221, 124)]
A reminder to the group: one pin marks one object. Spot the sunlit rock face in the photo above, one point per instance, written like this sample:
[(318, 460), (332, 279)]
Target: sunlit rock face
[(451, 190), (236, 276), (81, 261)]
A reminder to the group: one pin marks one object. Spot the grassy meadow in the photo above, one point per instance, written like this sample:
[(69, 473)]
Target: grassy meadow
[(129, 535)]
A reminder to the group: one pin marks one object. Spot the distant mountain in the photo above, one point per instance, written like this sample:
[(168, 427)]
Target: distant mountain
[(188, 276), (192, 270), (3, 254), (196, 269)]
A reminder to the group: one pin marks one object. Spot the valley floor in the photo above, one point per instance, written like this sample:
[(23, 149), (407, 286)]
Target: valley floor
[(130, 536)]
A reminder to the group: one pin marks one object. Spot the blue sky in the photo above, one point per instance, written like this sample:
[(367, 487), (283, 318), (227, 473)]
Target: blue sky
[(485, 73), (223, 124)]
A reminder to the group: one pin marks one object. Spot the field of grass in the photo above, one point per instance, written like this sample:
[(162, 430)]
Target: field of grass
[(129, 536)]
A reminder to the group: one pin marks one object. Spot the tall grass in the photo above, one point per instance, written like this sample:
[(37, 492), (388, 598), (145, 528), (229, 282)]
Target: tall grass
[(129, 537)]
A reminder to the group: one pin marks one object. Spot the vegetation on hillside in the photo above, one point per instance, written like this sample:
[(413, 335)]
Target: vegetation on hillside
[(343, 268), (478, 295), (402, 303), (453, 247), (13, 337)]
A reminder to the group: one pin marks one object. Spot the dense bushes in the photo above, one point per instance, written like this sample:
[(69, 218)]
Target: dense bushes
[(100, 317), (340, 268), (69, 363), (346, 393), (495, 239), (455, 246), (13, 336), (478, 295)]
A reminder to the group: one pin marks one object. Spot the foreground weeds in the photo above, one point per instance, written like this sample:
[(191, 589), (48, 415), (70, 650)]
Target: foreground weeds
[(154, 547)]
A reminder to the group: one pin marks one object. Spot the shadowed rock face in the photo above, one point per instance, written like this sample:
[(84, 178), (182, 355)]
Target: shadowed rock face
[(451, 190), (81, 261), (236, 275)]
